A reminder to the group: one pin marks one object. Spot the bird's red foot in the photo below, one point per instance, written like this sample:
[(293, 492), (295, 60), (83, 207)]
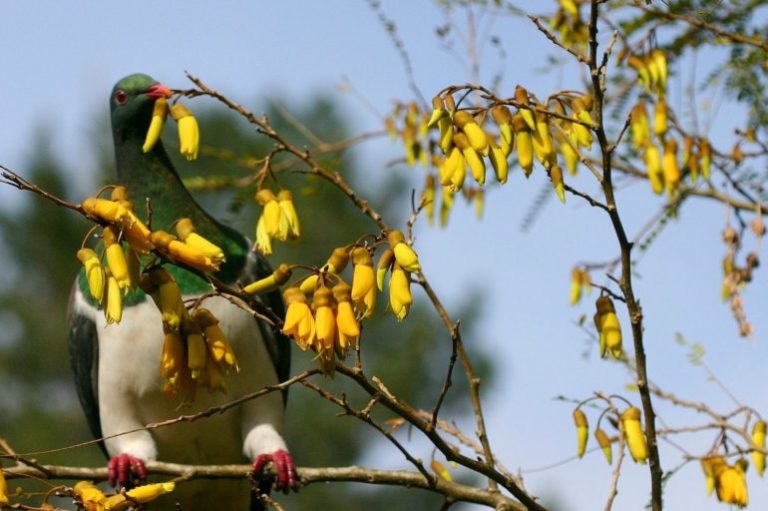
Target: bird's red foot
[(285, 469), (125, 470)]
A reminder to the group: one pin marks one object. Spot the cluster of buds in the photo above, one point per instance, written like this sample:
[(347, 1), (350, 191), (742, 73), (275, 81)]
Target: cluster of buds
[(278, 219), (189, 131), (126, 239), (652, 70), (630, 425), (413, 132), (608, 328), (568, 23), (729, 481), (580, 284), (93, 499), (735, 276), (195, 352)]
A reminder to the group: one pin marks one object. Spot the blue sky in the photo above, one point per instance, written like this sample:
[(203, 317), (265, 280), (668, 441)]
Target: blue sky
[(63, 62)]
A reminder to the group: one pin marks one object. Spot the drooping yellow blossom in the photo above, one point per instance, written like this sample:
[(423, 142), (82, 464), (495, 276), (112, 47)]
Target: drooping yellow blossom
[(383, 266), (113, 308), (404, 255), (116, 262), (473, 161), (277, 278), (659, 57), (173, 360), (521, 96), (438, 111), (440, 470), (299, 322), (669, 166), (140, 495), (660, 118), (347, 328), (165, 292), (581, 107), (288, 210), (633, 431), (503, 119), (454, 163), (94, 273), (189, 131), (271, 213), (542, 142), (605, 444), (758, 438), (608, 327), (556, 176), (712, 465), (197, 353), (91, 497), (159, 113), (134, 266), (104, 209), (705, 150), (428, 197), (567, 149), (524, 143), (325, 322), (263, 241), (653, 167), (639, 125), (400, 298), (643, 74), (187, 234), (363, 282), (574, 296), (499, 161), (582, 431), (3, 489), (477, 138), (184, 253), (218, 345), (731, 484)]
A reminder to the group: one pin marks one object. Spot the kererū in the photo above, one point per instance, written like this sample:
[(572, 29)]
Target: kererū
[(116, 365)]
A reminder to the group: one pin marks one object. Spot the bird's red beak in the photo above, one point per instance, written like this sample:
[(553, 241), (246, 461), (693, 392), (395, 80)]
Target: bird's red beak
[(158, 90)]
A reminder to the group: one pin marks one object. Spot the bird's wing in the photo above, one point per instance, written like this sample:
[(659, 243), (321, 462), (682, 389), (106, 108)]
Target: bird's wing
[(278, 345), (84, 357)]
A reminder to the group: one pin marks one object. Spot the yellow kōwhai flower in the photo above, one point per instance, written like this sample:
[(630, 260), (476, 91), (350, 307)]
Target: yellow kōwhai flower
[(363, 291), (383, 266), (400, 298), (758, 438), (189, 131), (271, 213), (271, 282), (574, 295), (499, 161), (633, 431), (438, 111), (521, 96), (542, 142), (731, 484), (94, 273), (165, 292), (452, 169), (712, 465), (186, 231), (149, 492), (669, 166), (524, 143), (428, 198), (404, 255), (113, 308), (472, 159), (608, 327), (173, 360), (288, 210), (91, 497), (583, 134), (477, 138), (263, 241), (605, 444), (653, 167), (582, 431), (503, 119), (325, 322), (218, 345), (705, 151), (116, 262), (338, 260), (184, 253), (197, 352), (3, 489), (159, 113), (660, 118), (556, 176), (639, 125), (104, 209), (299, 322), (347, 328)]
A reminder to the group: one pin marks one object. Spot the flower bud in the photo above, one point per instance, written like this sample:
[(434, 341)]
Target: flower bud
[(633, 431), (189, 131), (582, 431)]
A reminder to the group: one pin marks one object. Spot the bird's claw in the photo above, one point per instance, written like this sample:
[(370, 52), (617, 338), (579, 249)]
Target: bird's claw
[(285, 469), (125, 470)]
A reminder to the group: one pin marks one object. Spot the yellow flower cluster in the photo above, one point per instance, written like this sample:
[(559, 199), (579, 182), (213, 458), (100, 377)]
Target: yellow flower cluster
[(728, 481), (93, 499), (608, 328), (189, 130), (196, 352), (323, 311), (278, 219), (568, 23), (630, 426), (651, 70), (125, 239)]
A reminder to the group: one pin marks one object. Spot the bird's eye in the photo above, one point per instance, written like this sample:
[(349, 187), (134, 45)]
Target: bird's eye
[(121, 97)]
